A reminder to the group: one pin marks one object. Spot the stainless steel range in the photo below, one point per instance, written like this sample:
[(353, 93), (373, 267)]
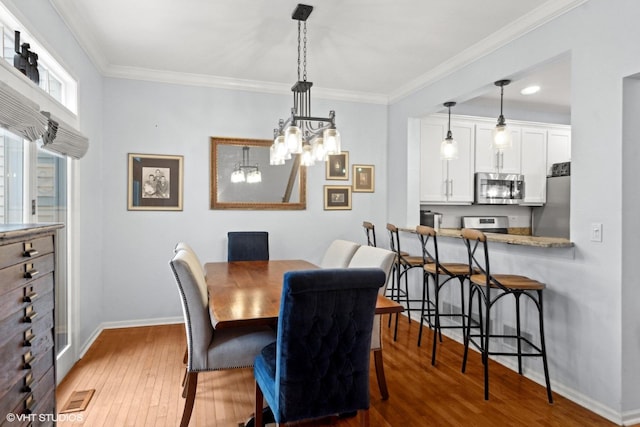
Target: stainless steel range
[(487, 224)]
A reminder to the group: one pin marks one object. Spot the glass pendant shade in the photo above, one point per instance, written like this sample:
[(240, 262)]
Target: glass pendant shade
[(237, 176), (319, 152), (293, 139), (307, 158), (332, 143), (275, 158), (254, 176), (449, 148), (501, 137)]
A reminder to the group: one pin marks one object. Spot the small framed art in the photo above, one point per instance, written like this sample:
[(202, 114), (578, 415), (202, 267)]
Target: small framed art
[(337, 197), (154, 182), (363, 178), (338, 166)]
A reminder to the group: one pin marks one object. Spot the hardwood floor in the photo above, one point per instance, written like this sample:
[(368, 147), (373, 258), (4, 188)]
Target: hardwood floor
[(136, 373)]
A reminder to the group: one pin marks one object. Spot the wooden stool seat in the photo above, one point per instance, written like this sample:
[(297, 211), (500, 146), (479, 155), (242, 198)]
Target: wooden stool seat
[(510, 281), (413, 261), (452, 268)]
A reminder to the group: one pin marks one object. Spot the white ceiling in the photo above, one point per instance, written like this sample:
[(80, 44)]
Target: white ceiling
[(372, 50)]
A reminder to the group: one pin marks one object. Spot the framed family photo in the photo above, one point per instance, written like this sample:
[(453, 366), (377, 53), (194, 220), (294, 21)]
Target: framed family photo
[(154, 182), (337, 197), (338, 166), (363, 178)]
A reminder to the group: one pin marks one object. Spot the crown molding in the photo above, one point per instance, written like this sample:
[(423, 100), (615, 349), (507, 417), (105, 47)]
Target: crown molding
[(203, 80), (527, 23), (81, 32)]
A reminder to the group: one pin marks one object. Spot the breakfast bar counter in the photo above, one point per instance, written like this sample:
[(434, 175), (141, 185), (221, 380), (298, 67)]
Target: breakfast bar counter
[(512, 239)]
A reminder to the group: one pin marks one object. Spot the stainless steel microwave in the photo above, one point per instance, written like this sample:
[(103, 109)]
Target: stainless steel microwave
[(499, 188)]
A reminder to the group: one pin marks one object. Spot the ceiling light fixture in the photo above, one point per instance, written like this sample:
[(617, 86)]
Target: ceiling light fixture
[(449, 146), (314, 138), (501, 134), (530, 90), (245, 172)]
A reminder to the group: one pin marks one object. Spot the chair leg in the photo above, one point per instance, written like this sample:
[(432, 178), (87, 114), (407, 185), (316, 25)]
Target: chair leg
[(258, 408), (485, 345), (436, 330), (544, 349), (382, 380), (467, 333), (406, 293), (185, 359), (425, 283), (364, 418), (518, 332), (192, 382)]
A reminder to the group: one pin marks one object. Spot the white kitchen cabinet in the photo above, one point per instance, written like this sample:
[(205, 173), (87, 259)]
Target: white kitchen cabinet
[(446, 181), (533, 165), (492, 161), (558, 146)]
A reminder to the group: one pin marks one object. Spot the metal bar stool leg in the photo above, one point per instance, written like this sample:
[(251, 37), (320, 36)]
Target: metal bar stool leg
[(518, 333), (543, 348)]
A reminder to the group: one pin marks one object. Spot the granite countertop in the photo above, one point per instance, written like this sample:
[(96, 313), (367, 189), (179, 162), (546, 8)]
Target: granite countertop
[(512, 239)]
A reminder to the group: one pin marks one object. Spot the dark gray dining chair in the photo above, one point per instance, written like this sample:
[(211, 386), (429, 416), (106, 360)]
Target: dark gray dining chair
[(209, 351)]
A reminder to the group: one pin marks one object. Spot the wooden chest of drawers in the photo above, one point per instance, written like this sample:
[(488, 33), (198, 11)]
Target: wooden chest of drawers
[(27, 337)]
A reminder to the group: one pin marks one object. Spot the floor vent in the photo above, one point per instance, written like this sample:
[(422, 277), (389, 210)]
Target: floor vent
[(78, 401)]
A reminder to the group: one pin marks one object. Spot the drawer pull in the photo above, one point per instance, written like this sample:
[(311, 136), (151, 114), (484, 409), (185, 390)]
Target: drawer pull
[(28, 404), (30, 296), (29, 314), (27, 358), (28, 380), (30, 272), (28, 337), (30, 253)]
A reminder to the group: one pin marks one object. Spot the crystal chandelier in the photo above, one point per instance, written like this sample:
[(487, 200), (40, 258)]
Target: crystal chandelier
[(245, 172), (313, 138)]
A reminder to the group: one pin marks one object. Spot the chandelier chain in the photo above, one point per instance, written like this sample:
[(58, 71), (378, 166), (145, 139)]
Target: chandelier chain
[(304, 56), (298, 50)]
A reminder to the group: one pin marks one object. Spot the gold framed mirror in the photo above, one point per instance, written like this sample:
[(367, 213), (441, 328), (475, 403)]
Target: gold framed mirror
[(280, 187)]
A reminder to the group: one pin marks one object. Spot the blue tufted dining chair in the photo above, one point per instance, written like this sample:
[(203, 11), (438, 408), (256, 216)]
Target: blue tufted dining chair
[(319, 365), (209, 350), (247, 246)]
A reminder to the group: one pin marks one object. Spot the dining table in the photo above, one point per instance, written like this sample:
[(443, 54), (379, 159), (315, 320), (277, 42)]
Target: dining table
[(243, 293)]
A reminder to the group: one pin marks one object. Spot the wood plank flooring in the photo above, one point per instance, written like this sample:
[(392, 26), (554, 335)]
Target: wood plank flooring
[(137, 374)]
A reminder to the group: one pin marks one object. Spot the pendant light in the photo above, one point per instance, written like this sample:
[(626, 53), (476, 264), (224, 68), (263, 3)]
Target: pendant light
[(449, 147), (501, 134)]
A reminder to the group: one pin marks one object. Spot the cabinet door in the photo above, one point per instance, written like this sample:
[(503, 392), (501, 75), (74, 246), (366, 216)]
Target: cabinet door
[(443, 181), (487, 159), (534, 159), (432, 169), (461, 169), (558, 147)]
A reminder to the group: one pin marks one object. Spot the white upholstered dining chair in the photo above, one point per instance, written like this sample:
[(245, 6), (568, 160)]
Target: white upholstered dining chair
[(369, 257), (338, 254), (209, 350)]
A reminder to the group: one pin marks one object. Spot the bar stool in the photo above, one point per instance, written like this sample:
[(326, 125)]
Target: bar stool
[(402, 264), (436, 270), (491, 288), (370, 231)]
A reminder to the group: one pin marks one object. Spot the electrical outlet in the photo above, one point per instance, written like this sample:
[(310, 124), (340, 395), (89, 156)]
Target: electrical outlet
[(596, 232)]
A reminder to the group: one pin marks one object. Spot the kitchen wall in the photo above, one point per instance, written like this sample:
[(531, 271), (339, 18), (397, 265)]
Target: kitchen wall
[(584, 310)]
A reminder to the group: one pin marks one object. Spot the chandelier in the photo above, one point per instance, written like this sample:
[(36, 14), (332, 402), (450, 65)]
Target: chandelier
[(245, 172), (312, 138)]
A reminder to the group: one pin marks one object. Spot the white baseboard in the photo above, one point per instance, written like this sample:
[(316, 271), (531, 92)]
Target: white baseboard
[(126, 324), (630, 418)]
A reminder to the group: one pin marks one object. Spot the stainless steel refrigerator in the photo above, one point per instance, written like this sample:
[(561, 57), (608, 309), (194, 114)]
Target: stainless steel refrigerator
[(552, 219)]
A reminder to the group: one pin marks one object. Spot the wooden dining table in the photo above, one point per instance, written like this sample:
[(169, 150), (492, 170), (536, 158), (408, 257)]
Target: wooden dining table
[(243, 293)]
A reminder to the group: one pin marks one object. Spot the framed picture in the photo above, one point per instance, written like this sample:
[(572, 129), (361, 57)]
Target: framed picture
[(338, 166), (337, 197), (363, 178), (154, 183)]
